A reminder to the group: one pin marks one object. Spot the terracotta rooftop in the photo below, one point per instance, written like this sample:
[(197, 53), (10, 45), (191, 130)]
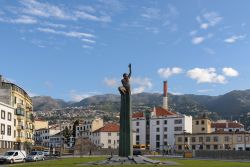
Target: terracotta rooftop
[(138, 115), (111, 127), (226, 125), (159, 111)]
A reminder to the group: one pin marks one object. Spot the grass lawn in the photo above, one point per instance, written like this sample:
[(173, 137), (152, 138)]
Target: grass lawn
[(70, 162)]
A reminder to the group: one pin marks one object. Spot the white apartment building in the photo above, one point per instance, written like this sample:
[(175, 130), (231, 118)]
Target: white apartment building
[(86, 128), (164, 125), (139, 127), (42, 136), (107, 136), (7, 127)]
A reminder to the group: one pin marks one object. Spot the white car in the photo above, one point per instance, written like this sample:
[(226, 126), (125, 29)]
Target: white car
[(46, 153), (13, 156)]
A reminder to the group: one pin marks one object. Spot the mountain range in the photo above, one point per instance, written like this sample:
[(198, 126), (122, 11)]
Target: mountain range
[(232, 104)]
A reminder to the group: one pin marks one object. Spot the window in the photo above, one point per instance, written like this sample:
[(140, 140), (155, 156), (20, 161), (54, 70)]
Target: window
[(137, 137), (165, 136), (247, 138), (239, 138), (179, 147), (216, 138), (157, 144), (14, 122), (157, 122), (179, 139), (178, 121), (2, 129), (165, 129), (157, 129), (137, 130), (207, 139), (226, 138), (8, 130), (165, 122), (109, 141), (202, 122), (193, 139), (207, 147), (202, 129), (197, 122), (157, 137), (9, 116), (178, 128), (215, 147), (200, 139), (109, 134), (2, 114), (137, 123)]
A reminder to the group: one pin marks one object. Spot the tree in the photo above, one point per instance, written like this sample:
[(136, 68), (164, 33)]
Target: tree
[(76, 123), (66, 134)]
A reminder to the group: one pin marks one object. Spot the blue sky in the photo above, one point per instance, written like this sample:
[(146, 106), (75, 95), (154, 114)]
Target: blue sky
[(75, 49)]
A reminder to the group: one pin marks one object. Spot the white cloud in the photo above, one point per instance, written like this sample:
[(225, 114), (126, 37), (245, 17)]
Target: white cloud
[(151, 13), (36, 8), (111, 82), (204, 90), (87, 16), (198, 40), (206, 75), (54, 25), (230, 72), (88, 40), (140, 84), (167, 72), (234, 38), (204, 26), (209, 19), (73, 34), (87, 47), (78, 96), (20, 20)]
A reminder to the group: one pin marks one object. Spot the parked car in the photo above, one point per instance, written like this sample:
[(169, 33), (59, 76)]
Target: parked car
[(137, 152), (13, 156), (35, 156), (46, 153)]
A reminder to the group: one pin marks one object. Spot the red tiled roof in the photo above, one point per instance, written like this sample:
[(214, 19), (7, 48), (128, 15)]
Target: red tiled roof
[(109, 128), (224, 125), (159, 111), (138, 115)]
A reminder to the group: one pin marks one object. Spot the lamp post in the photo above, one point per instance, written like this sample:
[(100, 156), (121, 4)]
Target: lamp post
[(184, 141)]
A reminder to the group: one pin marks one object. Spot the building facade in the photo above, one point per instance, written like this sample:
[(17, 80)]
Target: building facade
[(219, 140), (108, 136), (8, 130), (16, 97), (42, 136), (164, 125), (139, 126), (86, 128)]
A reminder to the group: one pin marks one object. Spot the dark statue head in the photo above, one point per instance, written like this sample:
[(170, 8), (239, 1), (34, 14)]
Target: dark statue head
[(125, 75)]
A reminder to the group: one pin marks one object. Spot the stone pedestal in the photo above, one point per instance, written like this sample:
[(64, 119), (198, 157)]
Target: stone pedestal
[(125, 138)]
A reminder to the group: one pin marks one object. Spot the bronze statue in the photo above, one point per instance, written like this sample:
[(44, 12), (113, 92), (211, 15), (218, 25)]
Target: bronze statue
[(125, 136), (125, 88)]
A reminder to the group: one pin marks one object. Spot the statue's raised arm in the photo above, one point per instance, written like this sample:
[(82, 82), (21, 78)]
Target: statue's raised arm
[(130, 71)]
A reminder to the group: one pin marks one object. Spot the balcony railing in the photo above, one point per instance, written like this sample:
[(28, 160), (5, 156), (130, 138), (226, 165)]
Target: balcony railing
[(20, 111)]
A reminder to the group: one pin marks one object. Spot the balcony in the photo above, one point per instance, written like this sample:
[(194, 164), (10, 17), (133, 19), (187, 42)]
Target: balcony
[(20, 127), (19, 112)]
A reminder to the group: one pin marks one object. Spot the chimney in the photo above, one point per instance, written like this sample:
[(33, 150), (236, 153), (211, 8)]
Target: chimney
[(165, 95)]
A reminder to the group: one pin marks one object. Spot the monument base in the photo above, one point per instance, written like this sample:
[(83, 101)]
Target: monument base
[(116, 160)]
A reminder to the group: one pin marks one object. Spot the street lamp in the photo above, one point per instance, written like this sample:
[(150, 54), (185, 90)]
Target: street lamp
[(184, 141)]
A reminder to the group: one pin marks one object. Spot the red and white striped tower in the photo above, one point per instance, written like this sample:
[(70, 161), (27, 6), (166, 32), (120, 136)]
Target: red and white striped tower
[(165, 95)]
